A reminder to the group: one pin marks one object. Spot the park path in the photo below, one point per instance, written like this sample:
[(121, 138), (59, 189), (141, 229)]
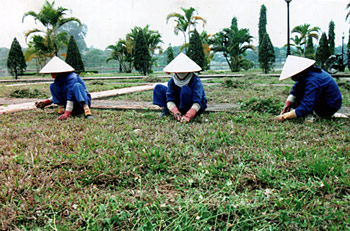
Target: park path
[(11, 106)]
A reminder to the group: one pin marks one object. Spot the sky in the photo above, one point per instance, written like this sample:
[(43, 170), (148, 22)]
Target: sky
[(110, 20)]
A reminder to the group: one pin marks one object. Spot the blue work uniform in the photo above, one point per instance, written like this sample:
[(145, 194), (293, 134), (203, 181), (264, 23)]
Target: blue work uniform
[(70, 87), (183, 97), (316, 91)]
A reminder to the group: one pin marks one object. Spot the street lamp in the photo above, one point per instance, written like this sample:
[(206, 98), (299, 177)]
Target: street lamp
[(288, 43)]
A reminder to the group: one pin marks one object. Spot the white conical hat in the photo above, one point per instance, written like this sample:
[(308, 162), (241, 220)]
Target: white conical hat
[(56, 65), (181, 64), (295, 65)]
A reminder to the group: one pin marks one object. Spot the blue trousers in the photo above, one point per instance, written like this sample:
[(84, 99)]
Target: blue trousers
[(184, 101), (80, 97)]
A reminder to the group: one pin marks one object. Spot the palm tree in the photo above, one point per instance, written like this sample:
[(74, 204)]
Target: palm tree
[(298, 44), (52, 19), (122, 52), (233, 42), (305, 32), (185, 21), (348, 14)]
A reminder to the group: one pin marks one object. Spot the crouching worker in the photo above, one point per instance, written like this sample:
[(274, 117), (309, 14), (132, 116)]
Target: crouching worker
[(184, 97), (314, 91), (68, 90)]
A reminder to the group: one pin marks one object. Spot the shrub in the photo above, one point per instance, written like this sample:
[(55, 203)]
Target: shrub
[(152, 79), (269, 105), (27, 93)]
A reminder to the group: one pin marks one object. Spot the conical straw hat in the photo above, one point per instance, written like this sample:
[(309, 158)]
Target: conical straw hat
[(56, 65), (181, 64), (294, 65)]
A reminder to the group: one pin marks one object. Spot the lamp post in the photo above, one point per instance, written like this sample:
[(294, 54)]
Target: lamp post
[(288, 43)]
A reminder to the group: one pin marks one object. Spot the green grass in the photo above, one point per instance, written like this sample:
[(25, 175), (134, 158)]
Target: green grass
[(128, 170)]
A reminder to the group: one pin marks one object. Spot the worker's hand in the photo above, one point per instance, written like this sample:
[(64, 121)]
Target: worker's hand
[(189, 115), (42, 104), (287, 106), (65, 115), (176, 113), (278, 118)]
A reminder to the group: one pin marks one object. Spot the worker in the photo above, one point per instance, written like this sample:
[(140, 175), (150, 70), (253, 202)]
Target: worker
[(314, 90), (68, 90), (184, 96)]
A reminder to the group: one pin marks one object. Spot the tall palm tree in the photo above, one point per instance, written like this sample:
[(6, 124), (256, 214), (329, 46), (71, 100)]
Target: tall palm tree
[(305, 32), (52, 19), (122, 52), (185, 21)]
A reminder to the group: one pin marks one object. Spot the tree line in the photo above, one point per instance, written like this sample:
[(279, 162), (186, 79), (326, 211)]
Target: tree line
[(141, 49)]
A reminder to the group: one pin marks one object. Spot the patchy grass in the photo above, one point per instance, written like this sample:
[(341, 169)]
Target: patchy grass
[(129, 170)]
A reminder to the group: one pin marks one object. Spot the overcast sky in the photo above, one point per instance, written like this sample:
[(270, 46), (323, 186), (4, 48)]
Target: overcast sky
[(110, 20)]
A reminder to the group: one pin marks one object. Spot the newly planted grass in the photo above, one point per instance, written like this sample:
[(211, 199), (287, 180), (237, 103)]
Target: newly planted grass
[(128, 170)]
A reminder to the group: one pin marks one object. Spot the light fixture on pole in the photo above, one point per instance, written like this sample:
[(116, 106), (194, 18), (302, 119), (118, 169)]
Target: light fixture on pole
[(288, 43)]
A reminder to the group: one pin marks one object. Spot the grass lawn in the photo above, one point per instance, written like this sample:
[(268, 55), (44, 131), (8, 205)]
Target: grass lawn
[(128, 170)]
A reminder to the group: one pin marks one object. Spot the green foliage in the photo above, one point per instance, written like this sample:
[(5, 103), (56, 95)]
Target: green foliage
[(233, 43), (15, 60), (195, 50), (142, 58), (262, 25), (73, 57), (266, 54), (322, 52), (27, 93), (269, 105), (169, 54), (303, 32), (331, 37), (309, 50), (48, 45)]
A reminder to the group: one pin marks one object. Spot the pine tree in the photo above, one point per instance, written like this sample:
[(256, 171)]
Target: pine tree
[(142, 57), (262, 23), (195, 49), (73, 56), (309, 50), (331, 37), (267, 54), (16, 63), (322, 52), (169, 54)]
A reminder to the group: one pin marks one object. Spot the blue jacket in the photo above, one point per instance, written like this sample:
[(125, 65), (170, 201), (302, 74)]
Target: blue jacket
[(65, 83), (198, 94), (316, 89)]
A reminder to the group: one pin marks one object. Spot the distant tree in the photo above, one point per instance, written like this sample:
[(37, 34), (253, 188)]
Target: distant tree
[(233, 43), (303, 33), (169, 54), (262, 25), (309, 50), (195, 49), (78, 31), (185, 21), (348, 44), (266, 54), (331, 37), (73, 57), (322, 52), (142, 57), (205, 39), (15, 60), (122, 52)]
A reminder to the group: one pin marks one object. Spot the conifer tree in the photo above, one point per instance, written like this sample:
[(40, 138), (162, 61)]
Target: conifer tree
[(142, 57), (195, 49), (322, 52), (309, 50), (262, 23), (169, 54), (73, 56), (16, 63), (267, 54), (331, 37)]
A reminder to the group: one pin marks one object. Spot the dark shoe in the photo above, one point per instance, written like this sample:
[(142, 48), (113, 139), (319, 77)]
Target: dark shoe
[(165, 112)]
